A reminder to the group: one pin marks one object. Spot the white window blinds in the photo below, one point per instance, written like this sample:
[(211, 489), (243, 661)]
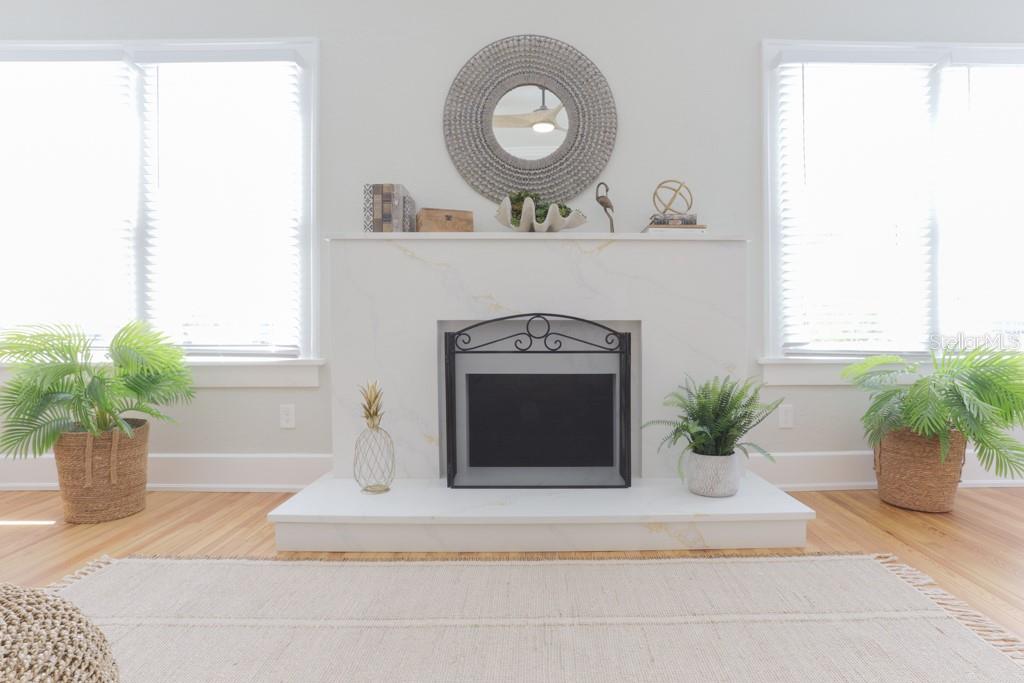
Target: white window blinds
[(224, 203), (68, 193), (980, 140), (893, 227), (172, 188)]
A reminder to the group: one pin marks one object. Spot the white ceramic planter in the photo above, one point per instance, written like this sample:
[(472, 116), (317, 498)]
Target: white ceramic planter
[(715, 476)]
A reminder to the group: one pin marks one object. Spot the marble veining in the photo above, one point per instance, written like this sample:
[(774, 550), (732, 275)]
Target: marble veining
[(387, 296)]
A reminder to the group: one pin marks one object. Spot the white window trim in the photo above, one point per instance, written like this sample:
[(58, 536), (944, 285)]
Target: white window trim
[(804, 372), (306, 51), (262, 373), (244, 373), (779, 369)]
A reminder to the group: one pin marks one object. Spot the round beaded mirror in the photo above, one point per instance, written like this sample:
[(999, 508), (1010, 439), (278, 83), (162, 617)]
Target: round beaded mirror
[(529, 112)]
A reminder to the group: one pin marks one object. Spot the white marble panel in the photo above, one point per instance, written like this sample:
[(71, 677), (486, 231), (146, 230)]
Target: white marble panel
[(387, 296)]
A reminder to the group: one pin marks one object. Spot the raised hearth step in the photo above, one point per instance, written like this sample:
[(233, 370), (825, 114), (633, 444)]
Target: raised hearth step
[(332, 514)]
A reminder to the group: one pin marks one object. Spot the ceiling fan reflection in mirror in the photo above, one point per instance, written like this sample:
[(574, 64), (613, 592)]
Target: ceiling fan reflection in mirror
[(543, 119)]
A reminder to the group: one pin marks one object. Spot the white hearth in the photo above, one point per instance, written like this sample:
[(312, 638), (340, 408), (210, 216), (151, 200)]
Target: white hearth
[(423, 515), (388, 295)]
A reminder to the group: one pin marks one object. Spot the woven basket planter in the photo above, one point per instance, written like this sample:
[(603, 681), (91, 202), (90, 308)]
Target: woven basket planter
[(912, 475), (102, 477)]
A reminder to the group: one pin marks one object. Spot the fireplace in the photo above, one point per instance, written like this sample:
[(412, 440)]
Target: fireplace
[(683, 302), (537, 401)]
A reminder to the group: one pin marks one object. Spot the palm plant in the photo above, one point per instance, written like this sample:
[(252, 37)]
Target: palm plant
[(56, 386), (715, 415), (979, 393)]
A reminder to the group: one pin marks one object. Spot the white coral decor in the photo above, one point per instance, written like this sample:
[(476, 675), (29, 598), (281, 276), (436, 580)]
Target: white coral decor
[(554, 222)]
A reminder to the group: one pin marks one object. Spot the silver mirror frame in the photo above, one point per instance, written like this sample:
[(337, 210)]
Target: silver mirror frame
[(548, 63)]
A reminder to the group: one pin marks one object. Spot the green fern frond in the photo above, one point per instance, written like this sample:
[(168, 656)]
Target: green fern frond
[(137, 348), (45, 345), (165, 388), (145, 409), (24, 436), (746, 445), (714, 416)]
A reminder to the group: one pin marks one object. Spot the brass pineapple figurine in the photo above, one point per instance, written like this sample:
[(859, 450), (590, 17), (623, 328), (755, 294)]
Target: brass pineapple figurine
[(373, 466)]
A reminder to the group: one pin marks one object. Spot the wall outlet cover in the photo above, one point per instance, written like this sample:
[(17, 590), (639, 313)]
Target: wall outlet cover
[(287, 416), (786, 416)]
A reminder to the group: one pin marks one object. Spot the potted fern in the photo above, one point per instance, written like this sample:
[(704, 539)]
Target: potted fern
[(919, 425), (712, 419), (59, 398)]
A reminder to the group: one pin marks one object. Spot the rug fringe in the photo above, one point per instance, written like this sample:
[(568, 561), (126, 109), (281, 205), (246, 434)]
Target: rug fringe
[(989, 631), (89, 569)]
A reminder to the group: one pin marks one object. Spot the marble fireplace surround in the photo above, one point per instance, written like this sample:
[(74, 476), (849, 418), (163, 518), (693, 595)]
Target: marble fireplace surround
[(390, 292), (684, 300)]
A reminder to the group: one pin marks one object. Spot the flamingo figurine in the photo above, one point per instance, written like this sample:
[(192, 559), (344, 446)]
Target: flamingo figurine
[(606, 204)]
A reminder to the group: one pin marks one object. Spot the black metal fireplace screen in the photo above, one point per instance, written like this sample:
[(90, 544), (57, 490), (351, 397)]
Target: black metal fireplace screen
[(575, 421)]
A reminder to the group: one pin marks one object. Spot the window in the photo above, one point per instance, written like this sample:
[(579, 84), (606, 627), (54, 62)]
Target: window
[(893, 174), (170, 183)]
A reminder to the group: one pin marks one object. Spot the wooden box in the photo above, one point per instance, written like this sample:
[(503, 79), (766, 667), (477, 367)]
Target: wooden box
[(444, 220)]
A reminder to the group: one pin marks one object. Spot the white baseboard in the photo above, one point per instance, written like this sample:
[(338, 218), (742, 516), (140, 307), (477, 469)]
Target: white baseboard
[(794, 471), (190, 472), (849, 470)]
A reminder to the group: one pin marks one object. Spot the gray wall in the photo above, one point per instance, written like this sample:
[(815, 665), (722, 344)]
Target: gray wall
[(686, 75), (245, 420)]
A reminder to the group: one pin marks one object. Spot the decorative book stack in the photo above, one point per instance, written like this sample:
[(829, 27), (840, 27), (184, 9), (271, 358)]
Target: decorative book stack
[(388, 207), (667, 223)]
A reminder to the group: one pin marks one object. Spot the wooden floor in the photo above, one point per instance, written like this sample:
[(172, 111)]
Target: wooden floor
[(976, 552)]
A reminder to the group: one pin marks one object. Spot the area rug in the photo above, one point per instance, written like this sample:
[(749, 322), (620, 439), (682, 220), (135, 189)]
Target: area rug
[(809, 618)]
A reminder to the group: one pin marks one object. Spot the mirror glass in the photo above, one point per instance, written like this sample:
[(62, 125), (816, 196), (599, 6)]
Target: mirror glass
[(530, 122)]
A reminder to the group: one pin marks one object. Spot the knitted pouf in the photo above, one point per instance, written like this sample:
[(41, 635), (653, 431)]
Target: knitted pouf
[(46, 638)]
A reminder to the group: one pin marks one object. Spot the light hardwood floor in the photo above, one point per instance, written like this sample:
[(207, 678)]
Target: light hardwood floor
[(976, 552)]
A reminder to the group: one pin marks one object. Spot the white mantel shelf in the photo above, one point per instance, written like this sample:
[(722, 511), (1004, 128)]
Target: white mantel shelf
[(537, 236)]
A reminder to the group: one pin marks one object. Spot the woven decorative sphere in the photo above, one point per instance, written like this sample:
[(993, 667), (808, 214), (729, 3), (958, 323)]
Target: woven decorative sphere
[(670, 196), (46, 638)]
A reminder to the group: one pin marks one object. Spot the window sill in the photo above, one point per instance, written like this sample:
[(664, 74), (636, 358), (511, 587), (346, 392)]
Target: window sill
[(229, 373), (808, 372), (247, 373)]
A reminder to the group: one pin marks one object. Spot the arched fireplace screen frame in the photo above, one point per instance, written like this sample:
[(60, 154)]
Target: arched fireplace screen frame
[(538, 336)]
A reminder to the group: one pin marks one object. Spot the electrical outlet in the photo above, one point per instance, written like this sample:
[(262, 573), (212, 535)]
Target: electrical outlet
[(786, 416), (287, 416)]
